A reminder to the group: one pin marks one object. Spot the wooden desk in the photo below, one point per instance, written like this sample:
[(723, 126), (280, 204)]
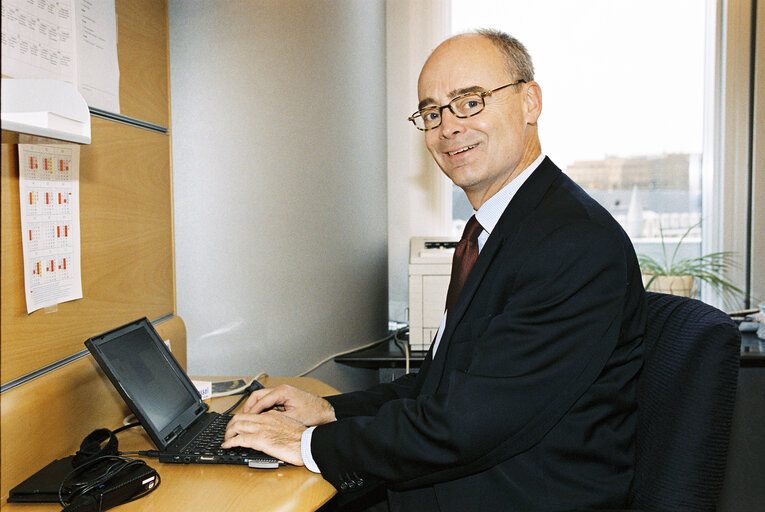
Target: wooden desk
[(219, 487)]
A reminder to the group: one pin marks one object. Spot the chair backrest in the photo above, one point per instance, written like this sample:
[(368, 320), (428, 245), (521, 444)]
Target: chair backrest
[(686, 392)]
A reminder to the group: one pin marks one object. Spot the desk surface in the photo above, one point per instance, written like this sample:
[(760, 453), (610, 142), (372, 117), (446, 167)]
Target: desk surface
[(221, 487), (381, 356)]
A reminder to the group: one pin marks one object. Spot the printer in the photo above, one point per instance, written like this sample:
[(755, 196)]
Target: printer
[(430, 267)]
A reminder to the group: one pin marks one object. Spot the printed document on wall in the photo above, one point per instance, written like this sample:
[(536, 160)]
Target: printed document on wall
[(70, 40), (39, 40), (50, 223), (98, 73)]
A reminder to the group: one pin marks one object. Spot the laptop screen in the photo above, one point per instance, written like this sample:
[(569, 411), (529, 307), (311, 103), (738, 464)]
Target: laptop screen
[(148, 377)]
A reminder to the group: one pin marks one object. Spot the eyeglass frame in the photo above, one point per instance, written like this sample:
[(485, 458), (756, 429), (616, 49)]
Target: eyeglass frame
[(481, 94)]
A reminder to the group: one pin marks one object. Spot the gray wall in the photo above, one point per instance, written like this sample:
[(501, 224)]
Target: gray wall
[(279, 170)]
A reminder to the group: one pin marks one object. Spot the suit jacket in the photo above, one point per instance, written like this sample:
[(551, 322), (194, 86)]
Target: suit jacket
[(529, 403)]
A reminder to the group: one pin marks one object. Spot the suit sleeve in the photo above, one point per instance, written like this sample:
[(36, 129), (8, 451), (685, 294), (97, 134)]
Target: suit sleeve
[(517, 370), (368, 402)]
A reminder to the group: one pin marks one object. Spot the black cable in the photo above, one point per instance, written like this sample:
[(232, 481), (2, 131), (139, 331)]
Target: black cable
[(146, 453), (241, 399), (82, 503), (125, 427), (77, 490), (245, 394), (141, 453)]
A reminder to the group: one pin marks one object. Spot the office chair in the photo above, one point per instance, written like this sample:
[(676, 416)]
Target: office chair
[(686, 392)]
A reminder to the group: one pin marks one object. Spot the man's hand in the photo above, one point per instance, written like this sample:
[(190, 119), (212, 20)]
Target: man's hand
[(304, 407), (271, 432)]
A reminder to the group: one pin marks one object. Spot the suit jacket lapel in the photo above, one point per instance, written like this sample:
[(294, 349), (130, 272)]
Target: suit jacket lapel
[(523, 203)]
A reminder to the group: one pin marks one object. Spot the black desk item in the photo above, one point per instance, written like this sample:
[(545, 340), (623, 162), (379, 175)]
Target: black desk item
[(43, 486), (114, 485), (752, 351), (389, 361)]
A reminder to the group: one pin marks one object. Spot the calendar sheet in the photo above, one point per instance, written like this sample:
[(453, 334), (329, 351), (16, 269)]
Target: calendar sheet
[(50, 223)]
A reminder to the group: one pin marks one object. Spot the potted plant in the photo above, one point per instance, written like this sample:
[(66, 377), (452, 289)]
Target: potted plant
[(677, 276)]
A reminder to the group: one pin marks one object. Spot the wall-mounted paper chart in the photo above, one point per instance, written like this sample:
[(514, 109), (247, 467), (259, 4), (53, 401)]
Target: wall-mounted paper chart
[(50, 223), (70, 40)]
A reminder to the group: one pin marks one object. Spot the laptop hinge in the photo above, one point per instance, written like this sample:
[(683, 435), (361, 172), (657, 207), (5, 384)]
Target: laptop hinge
[(174, 434)]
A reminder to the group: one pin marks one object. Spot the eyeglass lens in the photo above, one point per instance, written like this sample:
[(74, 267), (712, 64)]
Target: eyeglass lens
[(461, 106)]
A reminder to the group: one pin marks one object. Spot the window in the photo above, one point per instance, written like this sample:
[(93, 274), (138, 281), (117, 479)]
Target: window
[(624, 102)]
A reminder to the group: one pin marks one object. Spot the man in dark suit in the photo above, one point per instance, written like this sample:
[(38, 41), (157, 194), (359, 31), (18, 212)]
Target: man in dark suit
[(526, 401)]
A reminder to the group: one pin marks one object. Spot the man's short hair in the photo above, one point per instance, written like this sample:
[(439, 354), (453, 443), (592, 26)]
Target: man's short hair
[(519, 62)]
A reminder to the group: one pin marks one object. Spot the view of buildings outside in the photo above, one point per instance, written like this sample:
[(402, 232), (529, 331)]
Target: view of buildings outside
[(649, 196), (623, 98)]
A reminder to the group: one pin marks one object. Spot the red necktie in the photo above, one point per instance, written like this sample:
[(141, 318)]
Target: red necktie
[(465, 255)]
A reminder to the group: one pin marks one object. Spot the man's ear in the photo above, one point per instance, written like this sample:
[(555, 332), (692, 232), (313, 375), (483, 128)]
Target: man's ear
[(532, 102)]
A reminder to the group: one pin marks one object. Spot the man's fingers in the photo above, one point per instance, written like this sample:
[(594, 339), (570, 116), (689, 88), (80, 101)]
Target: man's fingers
[(241, 424), (270, 432), (259, 401), (265, 399)]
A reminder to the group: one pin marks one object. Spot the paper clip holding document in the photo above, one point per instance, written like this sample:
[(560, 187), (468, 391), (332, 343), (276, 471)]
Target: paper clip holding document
[(50, 223)]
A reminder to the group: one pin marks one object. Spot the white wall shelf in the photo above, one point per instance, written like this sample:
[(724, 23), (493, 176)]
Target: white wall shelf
[(45, 107)]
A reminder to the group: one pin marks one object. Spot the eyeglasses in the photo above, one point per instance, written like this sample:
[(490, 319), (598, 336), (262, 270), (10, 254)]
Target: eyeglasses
[(464, 105)]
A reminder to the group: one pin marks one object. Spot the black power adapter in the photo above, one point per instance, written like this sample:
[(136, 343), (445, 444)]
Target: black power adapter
[(120, 480)]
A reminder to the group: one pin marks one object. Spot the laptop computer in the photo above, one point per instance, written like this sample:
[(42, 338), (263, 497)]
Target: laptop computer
[(164, 400)]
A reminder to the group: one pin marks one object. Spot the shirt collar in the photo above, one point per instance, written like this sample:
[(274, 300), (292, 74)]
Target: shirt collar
[(489, 213)]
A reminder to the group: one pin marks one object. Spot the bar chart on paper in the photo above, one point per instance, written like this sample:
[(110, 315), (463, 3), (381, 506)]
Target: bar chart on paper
[(50, 225)]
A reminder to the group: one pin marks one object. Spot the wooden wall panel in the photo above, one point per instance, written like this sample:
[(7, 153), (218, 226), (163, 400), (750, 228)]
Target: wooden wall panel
[(125, 212), (126, 243), (126, 227), (143, 54)]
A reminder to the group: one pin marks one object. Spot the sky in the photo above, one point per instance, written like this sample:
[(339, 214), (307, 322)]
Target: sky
[(618, 77)]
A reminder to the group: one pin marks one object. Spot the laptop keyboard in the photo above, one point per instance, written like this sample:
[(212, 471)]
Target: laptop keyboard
[(208, 441), (206, 446)]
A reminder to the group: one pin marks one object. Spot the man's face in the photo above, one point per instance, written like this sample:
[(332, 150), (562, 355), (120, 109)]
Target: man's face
[(480, 154)]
